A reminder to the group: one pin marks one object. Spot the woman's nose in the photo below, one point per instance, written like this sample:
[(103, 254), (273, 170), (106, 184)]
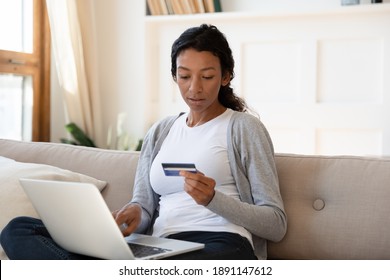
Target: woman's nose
[(196, 85)]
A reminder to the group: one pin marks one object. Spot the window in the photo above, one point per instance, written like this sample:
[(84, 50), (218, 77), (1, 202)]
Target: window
[(24, 70)]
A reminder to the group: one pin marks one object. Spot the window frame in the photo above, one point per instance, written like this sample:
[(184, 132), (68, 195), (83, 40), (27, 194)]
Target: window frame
[(36, 65)]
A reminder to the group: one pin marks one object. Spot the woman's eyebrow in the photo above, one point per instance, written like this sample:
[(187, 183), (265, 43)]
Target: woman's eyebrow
[(203, 69)]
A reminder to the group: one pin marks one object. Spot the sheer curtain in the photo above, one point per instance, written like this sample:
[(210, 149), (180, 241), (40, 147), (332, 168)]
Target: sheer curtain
[(73, 34)]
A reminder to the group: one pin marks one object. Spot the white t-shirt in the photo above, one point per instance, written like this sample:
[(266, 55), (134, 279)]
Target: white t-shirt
[(206, 146)]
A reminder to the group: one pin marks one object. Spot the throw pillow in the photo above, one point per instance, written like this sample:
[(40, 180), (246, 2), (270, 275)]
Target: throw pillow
[(13, 200)]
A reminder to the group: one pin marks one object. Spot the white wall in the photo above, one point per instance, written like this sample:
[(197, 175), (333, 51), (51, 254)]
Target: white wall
[(121, 61), (121, 44), (315, 78)]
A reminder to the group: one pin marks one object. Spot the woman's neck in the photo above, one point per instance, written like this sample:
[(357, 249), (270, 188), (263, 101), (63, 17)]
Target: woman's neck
[(199, 118)]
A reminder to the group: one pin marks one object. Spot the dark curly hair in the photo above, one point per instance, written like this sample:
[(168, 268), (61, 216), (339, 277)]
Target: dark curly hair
[(209, 38)]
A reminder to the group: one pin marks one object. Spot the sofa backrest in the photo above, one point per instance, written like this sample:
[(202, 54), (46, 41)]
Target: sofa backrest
[(117, 168), (338, 207)]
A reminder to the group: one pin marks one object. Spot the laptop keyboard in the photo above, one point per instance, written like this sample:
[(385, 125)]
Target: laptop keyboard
[(140, 251)]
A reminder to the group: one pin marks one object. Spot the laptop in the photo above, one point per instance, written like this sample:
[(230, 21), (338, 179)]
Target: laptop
[(79, 220)]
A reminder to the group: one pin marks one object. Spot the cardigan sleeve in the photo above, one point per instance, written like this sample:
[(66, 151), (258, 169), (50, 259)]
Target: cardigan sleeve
[(143, 193), (260, 208)]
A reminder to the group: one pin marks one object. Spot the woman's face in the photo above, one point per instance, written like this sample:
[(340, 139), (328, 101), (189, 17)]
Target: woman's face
[(199, 77)]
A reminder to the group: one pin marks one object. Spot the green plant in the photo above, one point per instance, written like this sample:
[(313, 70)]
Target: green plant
[(139, 146), (80, 138)]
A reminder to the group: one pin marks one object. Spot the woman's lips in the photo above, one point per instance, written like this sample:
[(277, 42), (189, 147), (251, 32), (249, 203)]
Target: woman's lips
[(195, 100)]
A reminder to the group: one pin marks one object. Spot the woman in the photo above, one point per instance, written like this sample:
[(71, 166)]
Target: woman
[(232, 203)]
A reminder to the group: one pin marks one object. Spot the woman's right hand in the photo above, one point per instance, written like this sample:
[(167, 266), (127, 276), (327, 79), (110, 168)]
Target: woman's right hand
[(128, 218)]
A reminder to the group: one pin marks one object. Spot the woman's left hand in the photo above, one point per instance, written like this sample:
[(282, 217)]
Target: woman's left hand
[(199, 186)]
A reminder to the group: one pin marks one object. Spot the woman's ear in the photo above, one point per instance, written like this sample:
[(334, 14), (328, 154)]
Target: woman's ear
[(225, 79)]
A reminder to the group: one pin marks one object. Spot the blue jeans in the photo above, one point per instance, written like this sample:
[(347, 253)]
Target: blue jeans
[(218, 246), (26, 238)]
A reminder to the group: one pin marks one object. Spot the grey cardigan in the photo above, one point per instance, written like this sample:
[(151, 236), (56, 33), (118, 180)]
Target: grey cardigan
[(252, 164)]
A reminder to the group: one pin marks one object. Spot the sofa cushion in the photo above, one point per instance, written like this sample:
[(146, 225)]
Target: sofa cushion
[(13, 200), (337, 207)]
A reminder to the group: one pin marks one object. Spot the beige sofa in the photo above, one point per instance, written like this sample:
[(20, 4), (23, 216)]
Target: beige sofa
[(337, 207)]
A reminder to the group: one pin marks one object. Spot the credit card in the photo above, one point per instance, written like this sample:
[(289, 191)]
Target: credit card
[(173, 169)]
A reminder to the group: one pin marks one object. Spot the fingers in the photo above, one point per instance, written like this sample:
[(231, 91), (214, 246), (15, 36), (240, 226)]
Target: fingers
[(114, 213), (128, 218), (198, 177), (198, 180), (199, 187)]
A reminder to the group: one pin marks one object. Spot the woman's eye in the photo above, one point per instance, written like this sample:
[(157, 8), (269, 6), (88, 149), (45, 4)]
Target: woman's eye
[(184, 77), (208, 77)]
